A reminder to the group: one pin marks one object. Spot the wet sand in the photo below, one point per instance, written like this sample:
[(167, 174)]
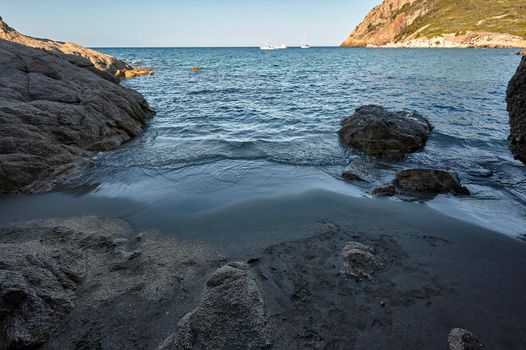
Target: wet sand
[(440, 273)]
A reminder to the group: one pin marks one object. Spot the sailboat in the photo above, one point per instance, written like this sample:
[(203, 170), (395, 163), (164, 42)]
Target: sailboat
[(304, 44), (266, 46)]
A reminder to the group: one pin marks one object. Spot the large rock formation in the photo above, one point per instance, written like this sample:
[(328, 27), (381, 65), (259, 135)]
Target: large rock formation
[(106, 63), (85, 283), (56, 108), (440, 23), (516, 98), (389, 135), (430, 180)]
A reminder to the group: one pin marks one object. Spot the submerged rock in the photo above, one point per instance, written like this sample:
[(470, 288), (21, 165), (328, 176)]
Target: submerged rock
[(384, 191), (230, 314), (516, 98), (53, 112), (430, 180), (359, 170), (389, 135), (359, 261), (461, 339)]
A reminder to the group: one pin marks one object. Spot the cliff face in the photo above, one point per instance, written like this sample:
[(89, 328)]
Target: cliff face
[(103, 62), (442, 23), (383, 24), (516, 98)]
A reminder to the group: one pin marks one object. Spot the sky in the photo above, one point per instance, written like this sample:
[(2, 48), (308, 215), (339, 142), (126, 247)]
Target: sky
[(178, 23)]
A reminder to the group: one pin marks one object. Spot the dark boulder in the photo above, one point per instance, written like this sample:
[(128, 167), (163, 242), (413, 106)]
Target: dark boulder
[(430, 180), (516, 98), (388, 135)]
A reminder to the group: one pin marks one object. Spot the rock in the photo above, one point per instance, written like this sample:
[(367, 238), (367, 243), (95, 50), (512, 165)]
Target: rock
[(389, 135), (358, 170), (37, 289), (384, 191), (100, 61), (430, 180), (522, 53), (461, 339), (359, 261), (516, 98), (53, 113), (75, 283), (230, 314), (138, 72)]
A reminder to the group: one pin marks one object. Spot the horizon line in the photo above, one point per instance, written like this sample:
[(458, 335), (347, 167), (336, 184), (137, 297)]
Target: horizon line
[(199, 47)]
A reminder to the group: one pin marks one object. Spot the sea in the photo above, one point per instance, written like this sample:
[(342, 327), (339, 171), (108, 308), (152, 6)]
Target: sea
[(261, 125)]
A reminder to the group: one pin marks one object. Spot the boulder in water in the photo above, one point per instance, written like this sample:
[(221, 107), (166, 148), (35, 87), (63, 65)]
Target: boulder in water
[(516, 98), (430, 180), (388, 135)]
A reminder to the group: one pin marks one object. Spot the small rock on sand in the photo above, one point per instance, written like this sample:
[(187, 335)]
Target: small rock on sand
[(461, 339), (359, 260)]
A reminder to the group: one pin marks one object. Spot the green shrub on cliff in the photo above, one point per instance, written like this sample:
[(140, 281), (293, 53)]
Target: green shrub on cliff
[(460, 16)]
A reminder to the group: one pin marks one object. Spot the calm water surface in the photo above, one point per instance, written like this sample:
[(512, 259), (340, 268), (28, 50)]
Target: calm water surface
[(255, 123)]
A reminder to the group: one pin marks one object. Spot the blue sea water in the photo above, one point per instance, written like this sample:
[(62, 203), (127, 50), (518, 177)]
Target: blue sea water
[(255, 123)]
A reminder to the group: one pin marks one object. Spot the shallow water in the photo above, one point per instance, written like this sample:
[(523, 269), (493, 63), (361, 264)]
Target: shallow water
[(255, 124)]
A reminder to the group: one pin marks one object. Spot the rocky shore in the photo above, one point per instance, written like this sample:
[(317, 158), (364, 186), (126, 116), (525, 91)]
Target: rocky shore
[(103, 62), (361, 275), (90, 283), (56, 109)]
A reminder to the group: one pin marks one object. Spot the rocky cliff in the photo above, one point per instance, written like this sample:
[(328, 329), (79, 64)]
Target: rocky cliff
[(442, 23), (516, 98), (56, 109), (106, 63)]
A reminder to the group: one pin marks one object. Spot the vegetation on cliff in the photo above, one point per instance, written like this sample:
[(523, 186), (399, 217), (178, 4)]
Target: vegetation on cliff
[(454, 16), (468, 23)]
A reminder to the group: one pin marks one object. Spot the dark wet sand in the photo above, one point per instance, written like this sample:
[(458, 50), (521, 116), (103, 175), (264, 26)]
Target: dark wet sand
[(440, 273)]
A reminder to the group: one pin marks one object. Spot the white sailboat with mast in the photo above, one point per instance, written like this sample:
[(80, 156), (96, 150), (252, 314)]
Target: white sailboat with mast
[(304, 44), (266, 46)]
